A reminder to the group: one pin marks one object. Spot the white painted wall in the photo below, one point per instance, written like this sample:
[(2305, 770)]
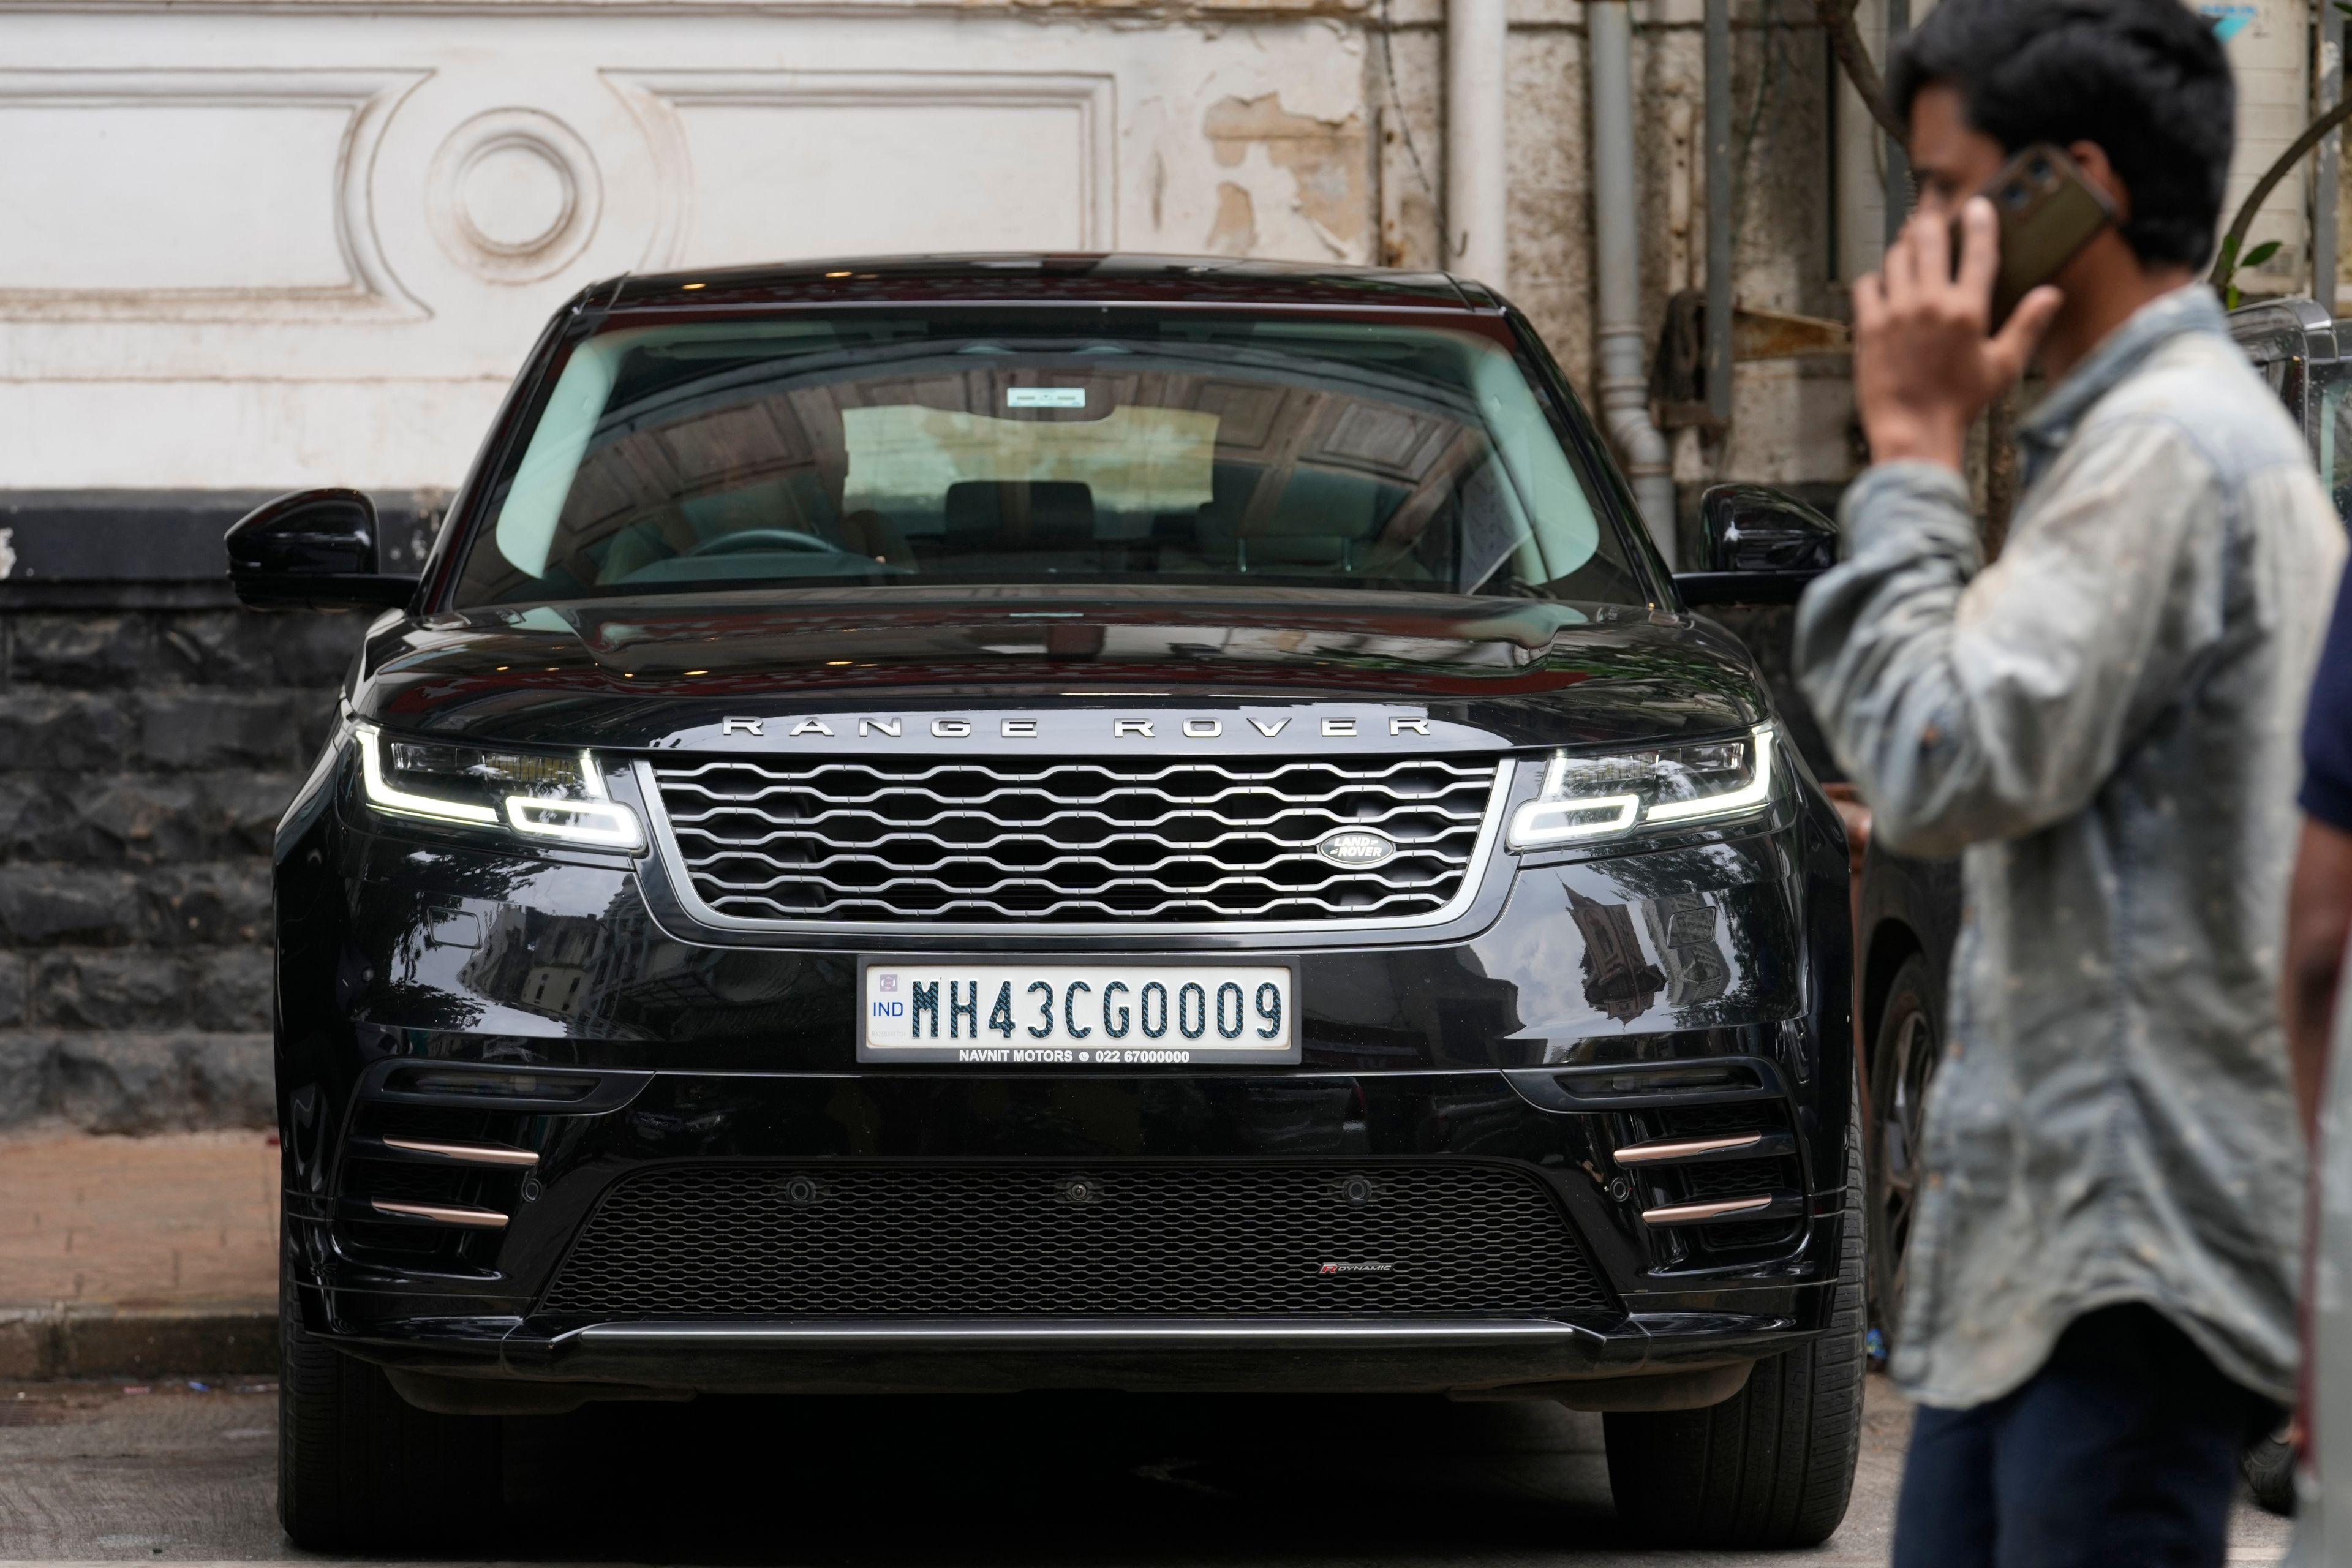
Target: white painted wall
[(2269, 51), (252, 246)]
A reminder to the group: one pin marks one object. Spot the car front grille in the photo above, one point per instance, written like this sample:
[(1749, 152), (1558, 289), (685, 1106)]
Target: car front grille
[(1051, 1241), (1071, 841)]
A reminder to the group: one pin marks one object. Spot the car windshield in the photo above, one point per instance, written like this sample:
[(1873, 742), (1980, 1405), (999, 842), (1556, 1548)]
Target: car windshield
[(1044, 446)]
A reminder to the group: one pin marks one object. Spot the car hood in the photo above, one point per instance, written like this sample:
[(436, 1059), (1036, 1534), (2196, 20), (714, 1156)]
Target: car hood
[(659, 674)]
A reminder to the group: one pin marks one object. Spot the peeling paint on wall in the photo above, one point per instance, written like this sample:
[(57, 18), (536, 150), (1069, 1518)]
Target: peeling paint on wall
[(1163, 11), (1325, 160), (1235, 231)]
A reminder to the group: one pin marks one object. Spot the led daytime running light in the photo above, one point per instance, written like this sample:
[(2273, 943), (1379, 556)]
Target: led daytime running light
[(399, 802), (1753, 794), (598, 820), (1544, 822), (1536, 824), (575, 821)]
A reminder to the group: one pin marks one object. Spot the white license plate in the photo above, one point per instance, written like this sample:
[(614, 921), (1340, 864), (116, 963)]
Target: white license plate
[(1110, 1013)]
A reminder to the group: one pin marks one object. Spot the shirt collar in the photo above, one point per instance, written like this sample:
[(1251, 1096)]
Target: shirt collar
[(2191, 308)]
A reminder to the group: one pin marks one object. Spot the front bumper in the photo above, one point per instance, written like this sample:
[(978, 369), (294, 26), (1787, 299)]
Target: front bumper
[(485, 1313), (1498, 1046)]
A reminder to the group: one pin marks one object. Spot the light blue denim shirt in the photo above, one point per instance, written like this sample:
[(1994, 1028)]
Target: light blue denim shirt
[(2103, 724)]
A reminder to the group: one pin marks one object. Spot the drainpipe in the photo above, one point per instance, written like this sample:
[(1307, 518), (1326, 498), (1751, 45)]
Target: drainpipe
[(2327, 168), (1719, 211), (1617, 244), (1477, 38), (1861, 174)]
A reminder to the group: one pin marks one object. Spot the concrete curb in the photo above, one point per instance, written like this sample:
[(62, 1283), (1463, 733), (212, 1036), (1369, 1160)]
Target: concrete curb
[(78, 1340)]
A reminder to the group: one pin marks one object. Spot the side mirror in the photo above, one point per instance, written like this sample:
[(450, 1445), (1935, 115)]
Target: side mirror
[(312, 549), (1758, 546)]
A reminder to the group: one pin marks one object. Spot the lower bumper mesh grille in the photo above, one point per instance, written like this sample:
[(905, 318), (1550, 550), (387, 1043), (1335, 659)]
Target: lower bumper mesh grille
[(1057, 1241)]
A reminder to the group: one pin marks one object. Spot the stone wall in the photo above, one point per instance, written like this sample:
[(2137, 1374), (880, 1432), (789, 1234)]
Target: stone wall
[(151, 734), (145, 754)]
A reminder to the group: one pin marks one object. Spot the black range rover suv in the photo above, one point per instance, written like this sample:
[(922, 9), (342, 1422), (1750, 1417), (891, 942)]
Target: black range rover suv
[(1011, 823)]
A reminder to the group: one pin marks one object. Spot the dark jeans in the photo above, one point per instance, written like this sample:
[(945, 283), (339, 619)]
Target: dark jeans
[(2122, 1450)]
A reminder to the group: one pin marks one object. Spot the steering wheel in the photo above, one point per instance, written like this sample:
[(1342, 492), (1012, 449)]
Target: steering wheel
[(766, 539)]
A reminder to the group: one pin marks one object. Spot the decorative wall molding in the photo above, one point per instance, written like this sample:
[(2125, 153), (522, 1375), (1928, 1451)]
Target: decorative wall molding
[(523, 222), (657, 98), (369, 291), (292, 242), (1358, 13)]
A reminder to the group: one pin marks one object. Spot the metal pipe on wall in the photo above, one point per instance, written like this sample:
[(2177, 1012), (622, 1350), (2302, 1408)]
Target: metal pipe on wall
[(1898, 161), (1718, 211), (1617, 265), (1860, 198), (1478, 43), (2327, 166)]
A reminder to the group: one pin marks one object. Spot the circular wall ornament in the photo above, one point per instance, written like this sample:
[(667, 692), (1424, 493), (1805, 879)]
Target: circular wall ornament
[(513, 195)]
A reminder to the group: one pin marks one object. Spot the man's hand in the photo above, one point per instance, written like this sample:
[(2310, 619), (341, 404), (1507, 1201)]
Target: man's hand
[(1923, 367)]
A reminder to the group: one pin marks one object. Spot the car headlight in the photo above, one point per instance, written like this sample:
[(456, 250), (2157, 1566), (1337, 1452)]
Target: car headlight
[(561, 797), (1609, 796)]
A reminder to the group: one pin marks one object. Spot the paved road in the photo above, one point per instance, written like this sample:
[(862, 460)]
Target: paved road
[(92, 1473)]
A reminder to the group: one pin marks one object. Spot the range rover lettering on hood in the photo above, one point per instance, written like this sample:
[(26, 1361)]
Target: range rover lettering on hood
[(1270, 730)]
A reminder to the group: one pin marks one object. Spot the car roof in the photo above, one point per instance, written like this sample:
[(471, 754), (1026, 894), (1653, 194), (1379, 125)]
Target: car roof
[(1047, 277)]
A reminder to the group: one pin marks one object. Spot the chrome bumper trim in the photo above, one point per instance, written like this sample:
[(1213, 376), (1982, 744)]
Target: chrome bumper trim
[(1699, 1213), (969, 1330), (464, 1154), (441, 1214), (1686, 1148)]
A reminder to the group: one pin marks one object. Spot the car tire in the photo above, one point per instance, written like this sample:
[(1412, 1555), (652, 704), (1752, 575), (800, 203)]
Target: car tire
[(1902, 1059), (359, 1467), (2268, 1465), (1772, 1465)]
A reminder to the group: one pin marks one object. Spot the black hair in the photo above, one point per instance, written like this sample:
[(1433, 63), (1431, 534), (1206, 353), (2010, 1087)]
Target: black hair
[(2145, 79)]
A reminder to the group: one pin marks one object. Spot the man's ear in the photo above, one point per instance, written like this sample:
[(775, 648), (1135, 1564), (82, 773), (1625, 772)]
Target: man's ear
[(2092, 159)]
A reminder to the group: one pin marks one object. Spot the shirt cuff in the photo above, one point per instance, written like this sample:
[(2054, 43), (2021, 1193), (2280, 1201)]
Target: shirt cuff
[(1909, 497)]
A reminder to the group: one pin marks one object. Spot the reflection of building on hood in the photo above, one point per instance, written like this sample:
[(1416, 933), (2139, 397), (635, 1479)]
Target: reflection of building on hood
[(535, 961), (1617, 979), (1683, 929)]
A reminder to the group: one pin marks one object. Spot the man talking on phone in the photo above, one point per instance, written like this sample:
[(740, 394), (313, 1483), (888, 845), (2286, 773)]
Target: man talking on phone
[(2104, 723)]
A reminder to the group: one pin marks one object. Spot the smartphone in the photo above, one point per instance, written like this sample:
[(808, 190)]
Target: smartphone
[(2048, 211)]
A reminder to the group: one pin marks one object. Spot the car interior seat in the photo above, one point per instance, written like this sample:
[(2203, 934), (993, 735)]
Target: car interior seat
[(1007, 516)]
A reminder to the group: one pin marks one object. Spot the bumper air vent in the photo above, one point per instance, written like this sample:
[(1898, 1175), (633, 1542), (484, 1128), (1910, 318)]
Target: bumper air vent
[(1449, 1238), (1070, 842), (439, 1156), (1718, 1181), (429, 1187)]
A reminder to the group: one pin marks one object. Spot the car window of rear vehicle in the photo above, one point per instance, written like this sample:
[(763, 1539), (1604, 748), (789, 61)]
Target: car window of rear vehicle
[(2332, 385), (1037, 446)]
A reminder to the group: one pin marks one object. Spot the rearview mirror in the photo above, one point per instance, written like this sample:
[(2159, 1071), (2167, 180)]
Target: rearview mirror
[(312, 549), (1757, 546)]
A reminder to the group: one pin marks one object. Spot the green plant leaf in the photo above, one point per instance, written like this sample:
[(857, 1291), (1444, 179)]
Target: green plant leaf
[(2260, 253), (2230, 296)]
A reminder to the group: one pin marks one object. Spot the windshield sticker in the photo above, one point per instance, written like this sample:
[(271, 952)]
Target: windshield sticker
[(1135, 461), (1045, 397)]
